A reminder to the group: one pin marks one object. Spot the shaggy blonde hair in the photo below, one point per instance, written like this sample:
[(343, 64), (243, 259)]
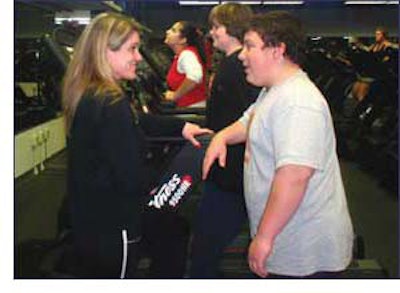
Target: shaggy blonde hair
[(89, 68)]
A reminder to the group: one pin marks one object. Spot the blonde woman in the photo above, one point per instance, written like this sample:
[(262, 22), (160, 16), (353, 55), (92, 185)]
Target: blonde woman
[(105, 148)]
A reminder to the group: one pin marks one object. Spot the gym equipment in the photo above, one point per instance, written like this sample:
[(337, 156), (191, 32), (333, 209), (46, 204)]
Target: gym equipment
[(234, 263), (178, 180), (362, 93), (40, 66)]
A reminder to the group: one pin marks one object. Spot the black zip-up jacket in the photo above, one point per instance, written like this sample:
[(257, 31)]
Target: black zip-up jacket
[(106, 174)]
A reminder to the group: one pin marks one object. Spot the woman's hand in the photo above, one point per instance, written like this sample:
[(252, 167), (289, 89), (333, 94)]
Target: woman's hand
[(191, 130), (169, 96)]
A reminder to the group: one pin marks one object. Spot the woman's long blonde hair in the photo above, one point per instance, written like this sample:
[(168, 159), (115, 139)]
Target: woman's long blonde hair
[(89, 68)]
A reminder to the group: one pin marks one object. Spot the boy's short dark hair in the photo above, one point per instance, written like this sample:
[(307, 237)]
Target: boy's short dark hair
[(233, 16), (278, 27)]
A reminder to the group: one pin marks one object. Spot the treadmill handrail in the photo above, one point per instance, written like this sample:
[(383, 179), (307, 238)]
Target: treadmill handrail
[(205, 138), (182, 110)]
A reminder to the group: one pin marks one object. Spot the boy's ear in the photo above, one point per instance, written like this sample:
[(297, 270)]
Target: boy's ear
[(280, 50)]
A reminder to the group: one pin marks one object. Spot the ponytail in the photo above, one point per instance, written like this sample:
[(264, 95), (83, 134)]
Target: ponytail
[(194, 37)]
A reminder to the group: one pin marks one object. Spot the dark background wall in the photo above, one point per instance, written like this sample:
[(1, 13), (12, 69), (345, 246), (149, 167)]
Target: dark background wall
[(30, 21), (324, 18)]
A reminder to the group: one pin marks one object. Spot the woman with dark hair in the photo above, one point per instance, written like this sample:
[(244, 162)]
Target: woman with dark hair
[(106, 147), (186, 77)]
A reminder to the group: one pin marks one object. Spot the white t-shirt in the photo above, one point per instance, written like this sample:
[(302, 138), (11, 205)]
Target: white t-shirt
[(189, 65), (291, 124)]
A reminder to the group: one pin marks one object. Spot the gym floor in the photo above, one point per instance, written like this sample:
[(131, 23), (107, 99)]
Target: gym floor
[(373, 207)]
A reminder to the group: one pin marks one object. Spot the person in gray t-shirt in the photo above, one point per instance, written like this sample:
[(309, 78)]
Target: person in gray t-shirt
[(299, 219)]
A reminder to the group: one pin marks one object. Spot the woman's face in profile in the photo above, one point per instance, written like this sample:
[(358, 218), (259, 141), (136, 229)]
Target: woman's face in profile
[(173, 35), (123, 61), (379, 36)]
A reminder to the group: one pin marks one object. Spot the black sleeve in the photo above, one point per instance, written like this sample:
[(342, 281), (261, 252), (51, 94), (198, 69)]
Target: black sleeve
[(243, 92), (230, 95), (155, 125)]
